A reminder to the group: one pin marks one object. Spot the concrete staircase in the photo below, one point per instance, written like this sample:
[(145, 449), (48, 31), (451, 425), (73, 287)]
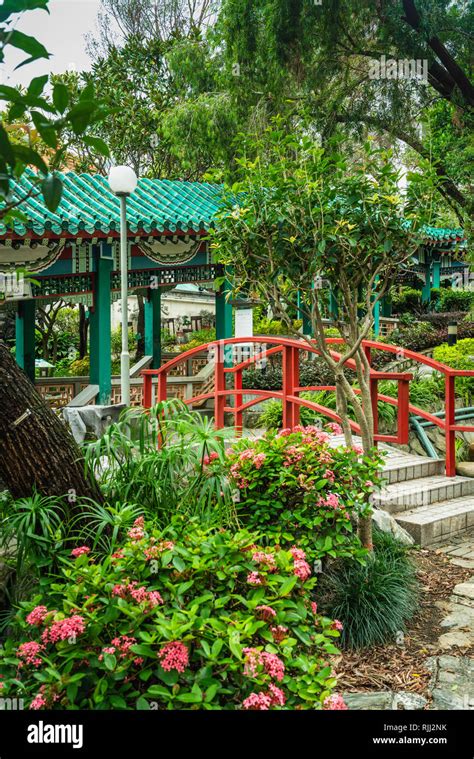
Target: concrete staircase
[(426, 503)]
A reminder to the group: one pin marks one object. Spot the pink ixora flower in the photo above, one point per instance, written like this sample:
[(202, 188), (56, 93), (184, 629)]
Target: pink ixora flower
[(273, 666), (174, 655), (336, 625), (64, 629), (277, 697), (213, 456), (335, 428), (334, 702), (314, 607), (79, 551), (331, 500), (137, 532), (257, 702), (265, 612), (279, 633), (28, 653), (38, 702), (301, 567), (36, 617), (254, 578), (267, 560)]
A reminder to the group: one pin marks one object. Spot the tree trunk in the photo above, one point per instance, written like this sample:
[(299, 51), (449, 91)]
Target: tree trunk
[(36, 448)]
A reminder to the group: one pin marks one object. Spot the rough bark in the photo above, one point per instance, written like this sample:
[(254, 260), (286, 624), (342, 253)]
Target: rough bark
[(36, 448), (83, 327)]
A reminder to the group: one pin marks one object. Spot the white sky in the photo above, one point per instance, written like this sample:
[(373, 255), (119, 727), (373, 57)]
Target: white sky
[(61, 32)]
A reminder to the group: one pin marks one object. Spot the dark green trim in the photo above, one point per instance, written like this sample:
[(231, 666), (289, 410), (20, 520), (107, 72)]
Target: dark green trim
[(152, 306), (25, 337), (100, 330)]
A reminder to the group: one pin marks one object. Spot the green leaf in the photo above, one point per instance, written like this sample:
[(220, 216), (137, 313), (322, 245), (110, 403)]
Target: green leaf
[(6, 149), (29, 45), (97, 144), (143, 650), (234, 644), (37, 86), (288, 584), (158, 690), (179, 564), (80, 115), (60, 96), (142, 704), (217, 647), (211, 692), (118, 702), (110, 661), (190, 698), (45, 128), (52, 189)]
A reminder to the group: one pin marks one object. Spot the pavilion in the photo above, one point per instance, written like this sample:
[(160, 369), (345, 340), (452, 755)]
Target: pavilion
[(73, 254)]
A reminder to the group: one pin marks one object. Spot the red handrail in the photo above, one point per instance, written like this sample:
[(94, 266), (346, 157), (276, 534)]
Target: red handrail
[(289, 395)]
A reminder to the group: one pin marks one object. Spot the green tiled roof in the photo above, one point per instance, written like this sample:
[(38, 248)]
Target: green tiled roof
[(157, 205), (88, 205)]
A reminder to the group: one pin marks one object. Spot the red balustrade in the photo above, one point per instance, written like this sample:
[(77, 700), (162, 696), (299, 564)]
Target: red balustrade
[(221, 353)]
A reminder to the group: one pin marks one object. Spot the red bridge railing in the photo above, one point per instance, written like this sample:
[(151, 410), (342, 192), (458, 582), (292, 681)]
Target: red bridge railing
[(223, 354)]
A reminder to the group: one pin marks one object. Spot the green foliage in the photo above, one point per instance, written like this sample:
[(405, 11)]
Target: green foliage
[(427, 393), (52, 117), (199, 337), (374, 599), (157, 460), (455, 300), (406, 300), (185, 588), (417, 336), (294, 487), (272, 414), (459, 356)]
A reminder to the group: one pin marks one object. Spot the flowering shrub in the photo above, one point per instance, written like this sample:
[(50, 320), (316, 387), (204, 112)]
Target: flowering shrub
[(188, 619), (295, 487)]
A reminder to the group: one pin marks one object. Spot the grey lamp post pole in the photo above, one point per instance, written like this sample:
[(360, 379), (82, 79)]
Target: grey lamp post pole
[(122, 181)]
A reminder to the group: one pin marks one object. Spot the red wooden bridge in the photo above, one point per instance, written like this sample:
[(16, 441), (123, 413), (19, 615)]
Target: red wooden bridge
[(232, 356)]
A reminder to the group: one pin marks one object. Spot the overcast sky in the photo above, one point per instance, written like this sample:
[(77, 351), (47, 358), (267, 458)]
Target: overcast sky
[(61, 32)]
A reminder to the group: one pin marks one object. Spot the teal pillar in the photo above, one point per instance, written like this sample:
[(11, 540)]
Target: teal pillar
[(436, 268), (223, 312), (333, 307), (386, 306), (301, 312), (426, 291), (100, 352), (153, 326), (25, 337), (376, 312)]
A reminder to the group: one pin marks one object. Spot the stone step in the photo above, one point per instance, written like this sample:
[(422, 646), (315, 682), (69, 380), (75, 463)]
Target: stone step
[(407, 467), (438, 521), (402, 496)]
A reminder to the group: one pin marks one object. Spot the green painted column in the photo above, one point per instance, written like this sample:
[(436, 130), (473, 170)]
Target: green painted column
[(100, 352), (153, 326), (426, 291), (307, 326), (436, 267), (223, 312), (333, 307), (25, 337), (376, 311), (386, 306)]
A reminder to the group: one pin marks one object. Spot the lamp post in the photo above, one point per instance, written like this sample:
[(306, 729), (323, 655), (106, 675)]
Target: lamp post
[(122, 182)]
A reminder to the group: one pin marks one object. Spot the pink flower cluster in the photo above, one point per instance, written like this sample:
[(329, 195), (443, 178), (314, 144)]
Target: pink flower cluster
[(336, 625), (263, 701), (267, 560), (38, 702), (174, 655), (64, 629), (254, 578), (154, 551), (272, 665), (279, 633), (335, 428), (301, 567), (256, 460), (331, 500), (213, 456), (292, 455), (329, 475), (265, 612), (120, 646), (80, 551), (335, 702), (28, 652), (129, 591), (36, 617), (137, 532)]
